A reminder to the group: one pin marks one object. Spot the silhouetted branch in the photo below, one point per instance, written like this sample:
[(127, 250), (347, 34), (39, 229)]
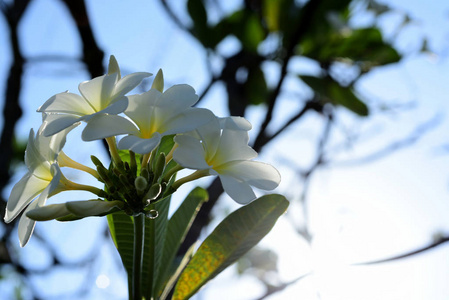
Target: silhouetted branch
[(92, 54), (412, 138), (305, 19), (437, 243), (173, 16), (278, 288)]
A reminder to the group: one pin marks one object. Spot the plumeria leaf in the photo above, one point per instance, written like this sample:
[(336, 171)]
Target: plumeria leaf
[(232, 238), (155, 230), (178, 226), (176, 271), (122, 233)]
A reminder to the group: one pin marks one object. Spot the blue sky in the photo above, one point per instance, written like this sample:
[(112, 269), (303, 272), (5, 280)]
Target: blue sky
[(357, 212)]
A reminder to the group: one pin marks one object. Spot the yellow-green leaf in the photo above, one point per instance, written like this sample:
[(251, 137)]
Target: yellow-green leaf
[(232, 238)]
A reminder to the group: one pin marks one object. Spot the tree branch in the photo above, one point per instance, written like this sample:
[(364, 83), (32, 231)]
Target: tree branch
[(92, 54), (305, 20), (437, 243)]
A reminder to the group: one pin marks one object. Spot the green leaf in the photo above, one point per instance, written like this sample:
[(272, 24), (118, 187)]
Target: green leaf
[(122, 233), (177, 271), (197, 12), (271, 10), (330, 91), (201, 29), (364, 46), (232, 238), (247, 27), (178, 227), (256, 90), (155, 230)]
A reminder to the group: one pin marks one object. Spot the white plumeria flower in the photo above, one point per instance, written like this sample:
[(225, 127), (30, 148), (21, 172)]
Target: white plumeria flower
[(153, 115), (104, 94), (44, 177), (223, 150)]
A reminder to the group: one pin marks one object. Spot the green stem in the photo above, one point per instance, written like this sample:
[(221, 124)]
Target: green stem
[(73, 186), (195, 175), (139, 236), (65, 161), (172, 171), (113, 150)]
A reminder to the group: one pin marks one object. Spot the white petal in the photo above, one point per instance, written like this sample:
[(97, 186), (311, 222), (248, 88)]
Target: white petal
[(67, 103), (98, 91), (22, 194), (116, 107), (55, 123), (26, 225), (178, 97), (234, 146), (33, 158), (140, 145), (102, 126), (189, 153), (50, 146), (188, 120), (235, 123), (141, 109), (128, 83), (239, 191), (255, 173), (209, 134)]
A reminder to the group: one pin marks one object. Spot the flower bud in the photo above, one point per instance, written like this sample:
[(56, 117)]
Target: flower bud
[(92, 207), (124, 180), (160, 166), (158, 82), (153, 192), (141, 184), (96, 161), (48, 212), (104, 175), (145, 174)]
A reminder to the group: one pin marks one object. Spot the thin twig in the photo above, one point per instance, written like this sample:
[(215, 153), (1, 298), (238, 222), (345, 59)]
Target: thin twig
[(406, 255)]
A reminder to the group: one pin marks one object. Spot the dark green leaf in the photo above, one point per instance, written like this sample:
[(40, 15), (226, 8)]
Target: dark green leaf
[(197, 12), (155, 230), (256, 89), (232, 238), (122, 233), (178, 227), (330, 91), (364, 46)]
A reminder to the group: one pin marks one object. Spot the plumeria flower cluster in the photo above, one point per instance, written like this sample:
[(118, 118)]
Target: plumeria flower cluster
[(151, 137)]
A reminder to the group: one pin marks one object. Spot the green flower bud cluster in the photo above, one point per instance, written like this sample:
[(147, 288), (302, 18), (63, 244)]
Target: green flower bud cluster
[(136, 187)]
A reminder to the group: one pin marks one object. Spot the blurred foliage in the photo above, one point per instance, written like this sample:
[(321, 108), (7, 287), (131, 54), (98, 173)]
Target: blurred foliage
[(275, 31), (268, 31), (318, 30)]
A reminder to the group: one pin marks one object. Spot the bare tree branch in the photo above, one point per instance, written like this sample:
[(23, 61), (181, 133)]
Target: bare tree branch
[(409, 140), (92, 54), (437, 243), (275, 289), (173, 16), (305, 19)]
